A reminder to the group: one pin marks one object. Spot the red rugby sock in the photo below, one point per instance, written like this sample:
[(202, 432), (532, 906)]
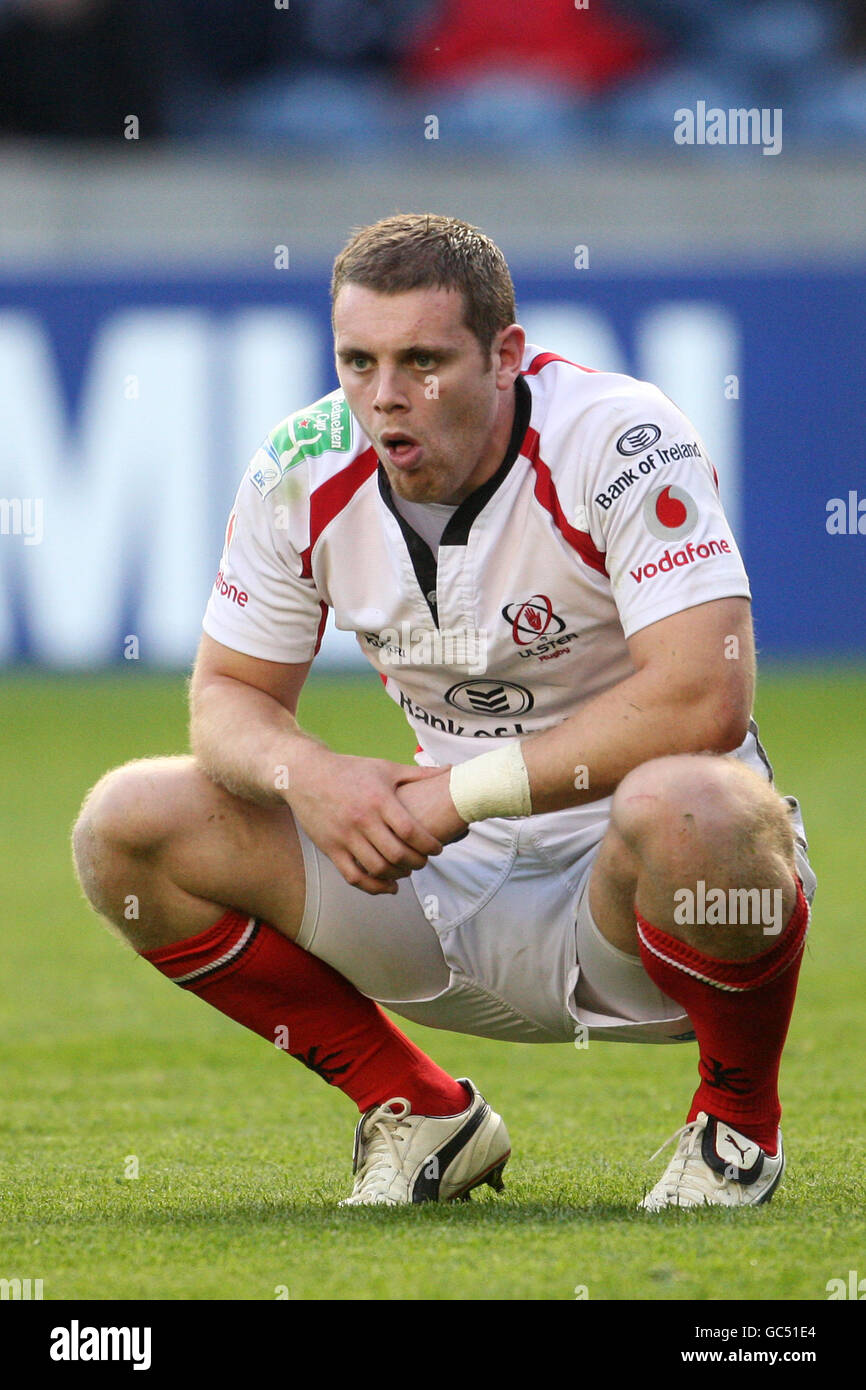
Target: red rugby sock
[(740, 1011), (255, 975)]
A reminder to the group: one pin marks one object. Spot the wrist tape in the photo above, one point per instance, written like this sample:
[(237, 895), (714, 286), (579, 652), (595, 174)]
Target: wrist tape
[(493, 784)]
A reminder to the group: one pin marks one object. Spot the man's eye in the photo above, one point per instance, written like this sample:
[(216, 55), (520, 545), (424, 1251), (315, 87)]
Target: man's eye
[(424, 359), (359, 363)]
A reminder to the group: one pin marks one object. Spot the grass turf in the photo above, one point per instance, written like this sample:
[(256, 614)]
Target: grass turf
[(241, 1155)]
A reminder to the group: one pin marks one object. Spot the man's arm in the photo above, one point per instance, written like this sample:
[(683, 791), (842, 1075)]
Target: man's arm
[(685, 696), (691, 692), (242, 719), (244, 734)]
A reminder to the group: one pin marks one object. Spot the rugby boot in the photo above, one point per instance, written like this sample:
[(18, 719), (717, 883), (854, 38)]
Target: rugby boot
[(401, 1158), (715, 1165)]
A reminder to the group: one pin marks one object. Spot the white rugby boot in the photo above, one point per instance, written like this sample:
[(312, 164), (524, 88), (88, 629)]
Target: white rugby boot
[(715, 1165), (401, 1158)]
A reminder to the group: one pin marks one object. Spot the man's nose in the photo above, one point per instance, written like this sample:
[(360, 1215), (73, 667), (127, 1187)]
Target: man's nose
[(390, 391)]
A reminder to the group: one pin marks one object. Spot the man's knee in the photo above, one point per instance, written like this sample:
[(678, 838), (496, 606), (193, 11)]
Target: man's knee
[(127, 814), (683, 811), (160, 831)]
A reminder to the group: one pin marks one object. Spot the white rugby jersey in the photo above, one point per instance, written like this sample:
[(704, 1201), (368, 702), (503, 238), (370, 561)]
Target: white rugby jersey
[(603, 517)]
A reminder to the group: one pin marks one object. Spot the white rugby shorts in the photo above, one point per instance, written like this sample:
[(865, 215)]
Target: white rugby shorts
[(494, 937)]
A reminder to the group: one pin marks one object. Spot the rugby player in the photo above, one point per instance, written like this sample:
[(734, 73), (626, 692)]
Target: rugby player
[(534, 557)]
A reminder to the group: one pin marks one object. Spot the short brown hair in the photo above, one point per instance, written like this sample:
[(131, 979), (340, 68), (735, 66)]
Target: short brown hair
[(411, 251)]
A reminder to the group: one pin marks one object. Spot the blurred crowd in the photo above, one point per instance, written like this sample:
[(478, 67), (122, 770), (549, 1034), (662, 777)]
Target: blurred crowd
[(330, 77)]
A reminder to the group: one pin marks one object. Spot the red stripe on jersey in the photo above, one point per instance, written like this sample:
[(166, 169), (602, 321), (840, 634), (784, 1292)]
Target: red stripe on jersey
[(543, 358), (329, 500), (321, 632), (545, 492)]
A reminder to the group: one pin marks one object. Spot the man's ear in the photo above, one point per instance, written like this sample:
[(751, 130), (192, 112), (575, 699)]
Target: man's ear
[(508, 348)]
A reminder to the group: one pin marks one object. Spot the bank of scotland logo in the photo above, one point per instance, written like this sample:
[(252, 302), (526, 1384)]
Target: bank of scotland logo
[(489, 697)]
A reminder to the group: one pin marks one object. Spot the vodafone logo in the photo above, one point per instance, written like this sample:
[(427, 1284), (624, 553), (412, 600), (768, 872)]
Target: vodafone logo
[(532, 619), (230, 530), (670, 513), (676, 559), (231, 591)]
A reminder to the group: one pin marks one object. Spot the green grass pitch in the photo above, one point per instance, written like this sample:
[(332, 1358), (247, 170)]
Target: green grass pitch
[(242, 1155)]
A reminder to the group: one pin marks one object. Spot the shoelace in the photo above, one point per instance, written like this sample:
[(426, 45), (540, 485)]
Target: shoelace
[(385, 1120), (676, 1135), (677, 1178)]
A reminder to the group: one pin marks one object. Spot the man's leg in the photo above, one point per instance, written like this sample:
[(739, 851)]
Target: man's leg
[(688, 834), (211, 890)]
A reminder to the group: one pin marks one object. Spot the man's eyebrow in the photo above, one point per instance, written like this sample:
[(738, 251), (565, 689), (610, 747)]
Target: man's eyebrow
[(432, 350)]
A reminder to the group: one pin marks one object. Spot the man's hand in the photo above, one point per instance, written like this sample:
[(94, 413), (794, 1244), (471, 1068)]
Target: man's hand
[(350, 809), (429, 801), (244, 732)]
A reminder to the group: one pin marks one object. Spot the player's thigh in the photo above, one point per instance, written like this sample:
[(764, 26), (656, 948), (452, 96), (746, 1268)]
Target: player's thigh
[(195, 836), (612, 886), (384, 944)]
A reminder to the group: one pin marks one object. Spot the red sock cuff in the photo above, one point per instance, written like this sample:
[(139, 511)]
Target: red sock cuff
[(731, 974), (207, 953)]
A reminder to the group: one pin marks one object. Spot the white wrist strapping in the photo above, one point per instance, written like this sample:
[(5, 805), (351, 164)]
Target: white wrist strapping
[(494, 784)]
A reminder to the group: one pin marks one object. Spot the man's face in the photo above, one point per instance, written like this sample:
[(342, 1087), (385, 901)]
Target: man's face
[(434, 407)]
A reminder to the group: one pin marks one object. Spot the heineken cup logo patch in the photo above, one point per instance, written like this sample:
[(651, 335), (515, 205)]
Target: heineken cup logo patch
[(326, 425), (322, 428)]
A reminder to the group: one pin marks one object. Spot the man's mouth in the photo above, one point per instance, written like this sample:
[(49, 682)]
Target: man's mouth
[(402, 450)]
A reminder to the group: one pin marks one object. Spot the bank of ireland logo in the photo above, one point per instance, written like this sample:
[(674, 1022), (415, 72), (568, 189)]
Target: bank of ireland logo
[(489, 697), (638, 439), (532, 619), (670, 513)]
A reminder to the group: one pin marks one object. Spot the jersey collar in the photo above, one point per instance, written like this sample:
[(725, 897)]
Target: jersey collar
[(459, 525)]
